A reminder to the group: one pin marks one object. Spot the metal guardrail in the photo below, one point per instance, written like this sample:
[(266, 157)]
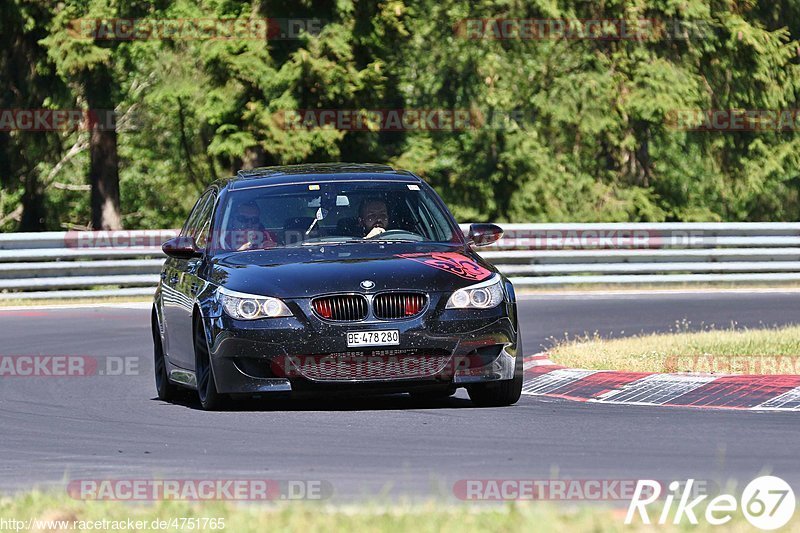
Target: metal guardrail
[(127, 263)]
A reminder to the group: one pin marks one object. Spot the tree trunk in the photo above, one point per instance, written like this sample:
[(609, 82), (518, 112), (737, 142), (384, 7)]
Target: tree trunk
[(104, 164), (254, 157), (33, 212)]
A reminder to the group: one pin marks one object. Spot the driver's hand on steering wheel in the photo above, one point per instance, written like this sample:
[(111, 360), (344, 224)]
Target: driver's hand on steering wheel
[(374, 232)]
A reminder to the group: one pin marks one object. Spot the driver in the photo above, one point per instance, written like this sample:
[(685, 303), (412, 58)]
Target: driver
[(247, 229), (373, 217)]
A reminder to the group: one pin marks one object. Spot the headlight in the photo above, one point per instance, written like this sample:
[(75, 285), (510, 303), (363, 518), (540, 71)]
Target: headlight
[(250, 307), (484, 295)]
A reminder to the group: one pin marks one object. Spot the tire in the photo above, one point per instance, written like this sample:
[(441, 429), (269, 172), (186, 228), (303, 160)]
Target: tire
[(210, 399), (166, 390), (501, 393)]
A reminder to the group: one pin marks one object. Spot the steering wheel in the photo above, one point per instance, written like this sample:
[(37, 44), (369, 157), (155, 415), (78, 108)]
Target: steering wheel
[(393, 232)]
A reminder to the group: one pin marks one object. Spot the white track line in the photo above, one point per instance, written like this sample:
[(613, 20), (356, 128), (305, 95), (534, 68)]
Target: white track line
[(523, 295), (656, 389), (546, 383), (539, 359), (788, 401), (44, 307)]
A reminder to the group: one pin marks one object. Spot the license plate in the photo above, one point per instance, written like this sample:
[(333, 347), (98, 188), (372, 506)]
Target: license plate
[(373, 338)]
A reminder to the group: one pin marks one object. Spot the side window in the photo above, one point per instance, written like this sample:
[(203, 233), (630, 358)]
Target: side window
[(191, 220), (201, 213), (204, 221)]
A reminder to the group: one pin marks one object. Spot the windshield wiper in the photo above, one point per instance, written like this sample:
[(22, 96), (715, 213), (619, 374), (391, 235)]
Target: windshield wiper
[(384, 241), (325, 243), (356, 241)]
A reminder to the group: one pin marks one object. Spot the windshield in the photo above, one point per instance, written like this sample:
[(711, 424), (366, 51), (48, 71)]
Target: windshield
[(330, 213)]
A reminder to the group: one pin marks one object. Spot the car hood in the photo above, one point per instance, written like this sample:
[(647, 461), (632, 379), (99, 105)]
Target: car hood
[(303, 272)]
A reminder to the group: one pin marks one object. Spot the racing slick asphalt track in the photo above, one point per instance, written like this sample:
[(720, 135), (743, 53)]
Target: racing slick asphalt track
[(112, 427)]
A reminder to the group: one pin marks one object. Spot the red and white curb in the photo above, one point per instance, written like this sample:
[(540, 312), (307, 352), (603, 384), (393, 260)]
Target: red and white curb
[(750, 392)]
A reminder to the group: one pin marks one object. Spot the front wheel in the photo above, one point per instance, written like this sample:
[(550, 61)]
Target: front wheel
[(210, 399), (500, 393), (166, 390)]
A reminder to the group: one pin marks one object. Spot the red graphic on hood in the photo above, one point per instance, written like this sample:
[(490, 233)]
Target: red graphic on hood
[(451, 262)]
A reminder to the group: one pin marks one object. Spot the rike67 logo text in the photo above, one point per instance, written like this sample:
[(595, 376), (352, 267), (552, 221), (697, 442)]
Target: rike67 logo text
[(767, 502)]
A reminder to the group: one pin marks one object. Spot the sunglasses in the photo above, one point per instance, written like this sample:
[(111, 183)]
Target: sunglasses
[(247, 220)]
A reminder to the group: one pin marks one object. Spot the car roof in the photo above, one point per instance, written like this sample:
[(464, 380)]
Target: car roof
[(318, 172)]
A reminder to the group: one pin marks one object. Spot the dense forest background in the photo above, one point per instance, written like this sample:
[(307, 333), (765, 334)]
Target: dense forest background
[(576, 129)]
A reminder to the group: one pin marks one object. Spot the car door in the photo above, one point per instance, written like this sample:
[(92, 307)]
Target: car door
[(193, 279), (180, 281)]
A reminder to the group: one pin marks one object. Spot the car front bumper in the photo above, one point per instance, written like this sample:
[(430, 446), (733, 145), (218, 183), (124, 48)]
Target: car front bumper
[(282, 355)]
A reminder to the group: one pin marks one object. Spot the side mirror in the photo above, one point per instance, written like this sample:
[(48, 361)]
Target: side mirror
[(181, 248), (484, 234)]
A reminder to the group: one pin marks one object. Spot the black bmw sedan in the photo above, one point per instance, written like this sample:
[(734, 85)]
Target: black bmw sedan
[(326, 278)]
